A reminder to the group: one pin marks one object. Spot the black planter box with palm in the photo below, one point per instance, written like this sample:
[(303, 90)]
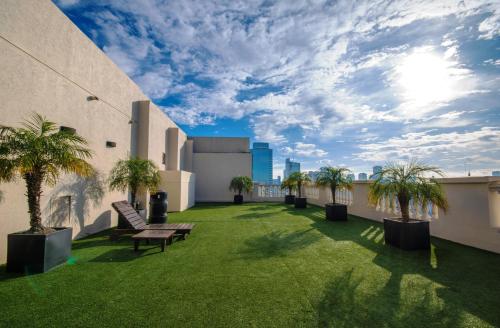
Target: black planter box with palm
[(297, 180), (240, 184), (289, 185), (300, 202), (39, 152), (408, 235), (37, 253), (405, 182), (336, 212), (334, 178)]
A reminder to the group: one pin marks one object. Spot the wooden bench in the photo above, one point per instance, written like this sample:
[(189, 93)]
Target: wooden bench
[(162, 235), (134, 223)]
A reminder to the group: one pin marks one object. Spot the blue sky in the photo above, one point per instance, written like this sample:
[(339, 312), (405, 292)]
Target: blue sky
[(325, 82)]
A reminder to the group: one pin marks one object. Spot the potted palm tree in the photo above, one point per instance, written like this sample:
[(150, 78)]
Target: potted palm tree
[(334, 178), (240, 184), (133, 174), (408, 183), (300, 179), (39, 152), (289, 185)]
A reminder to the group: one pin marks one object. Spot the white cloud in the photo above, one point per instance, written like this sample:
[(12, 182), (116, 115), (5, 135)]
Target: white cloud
[(432, 147), (490, 27), (304, 150)]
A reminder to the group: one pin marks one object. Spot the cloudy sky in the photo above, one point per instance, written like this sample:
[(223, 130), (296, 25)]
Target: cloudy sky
[(354, 83)]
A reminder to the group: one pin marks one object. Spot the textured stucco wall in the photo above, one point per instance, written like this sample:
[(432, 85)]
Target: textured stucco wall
[(180, 188), (49, 66), (214, 171)]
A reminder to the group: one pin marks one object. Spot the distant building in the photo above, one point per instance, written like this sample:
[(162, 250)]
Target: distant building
[(313, 175), (262, 163), (376, 172), (351, 176), (277, 181), (290, 167), (495, 173), (362, 177)]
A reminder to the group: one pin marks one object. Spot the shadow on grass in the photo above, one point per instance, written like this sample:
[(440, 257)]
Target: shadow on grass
[(276, 244), (467, 274), (252, 216), (126, 254), (346, 304)]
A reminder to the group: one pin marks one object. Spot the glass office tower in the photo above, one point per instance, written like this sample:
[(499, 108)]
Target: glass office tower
[(262, 163)]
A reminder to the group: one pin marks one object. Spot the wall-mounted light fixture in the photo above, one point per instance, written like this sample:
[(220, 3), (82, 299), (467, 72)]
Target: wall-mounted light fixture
[(90, 98), (110, 144), (67, 129)]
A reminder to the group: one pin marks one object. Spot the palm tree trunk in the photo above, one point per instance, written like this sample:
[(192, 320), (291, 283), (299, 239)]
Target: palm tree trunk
[(404, 204), (333, 194), (133, 197), (34, 191)]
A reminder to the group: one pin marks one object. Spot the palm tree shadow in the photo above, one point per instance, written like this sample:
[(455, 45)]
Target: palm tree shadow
[(277, 244), (126, 254), (346, 303), (465, 272)]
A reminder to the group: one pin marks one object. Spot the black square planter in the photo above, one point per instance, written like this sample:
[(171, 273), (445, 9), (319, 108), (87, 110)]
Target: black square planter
[(336, 212), (300, 202), (290, 199), (411, 235), (36, 253), (238, 199)]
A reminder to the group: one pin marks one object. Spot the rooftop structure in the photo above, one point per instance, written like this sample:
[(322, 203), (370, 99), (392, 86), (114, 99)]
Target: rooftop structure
[(262, 163)]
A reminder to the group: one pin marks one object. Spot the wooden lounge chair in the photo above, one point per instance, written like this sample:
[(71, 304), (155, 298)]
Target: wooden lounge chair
[(133, 223)]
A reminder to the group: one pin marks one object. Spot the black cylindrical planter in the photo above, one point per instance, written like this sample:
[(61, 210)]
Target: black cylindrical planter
[(300, 202), (411, 235), (238, 199), (336, 212), (290, 199), (158, 204)]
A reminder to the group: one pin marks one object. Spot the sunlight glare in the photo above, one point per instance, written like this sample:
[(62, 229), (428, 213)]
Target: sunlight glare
[(425, 78)]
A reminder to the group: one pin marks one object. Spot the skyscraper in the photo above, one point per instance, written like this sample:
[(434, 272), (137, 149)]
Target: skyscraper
[(362, 176), (262, 163), (495, 173), (351, 176), (290, 167), (376, 172)]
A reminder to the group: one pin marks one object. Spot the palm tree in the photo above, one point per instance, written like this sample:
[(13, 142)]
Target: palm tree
[(300, 179), (334, 177), (132, 174), (39, 152), (407, 182), (240, 184), (289, 185)]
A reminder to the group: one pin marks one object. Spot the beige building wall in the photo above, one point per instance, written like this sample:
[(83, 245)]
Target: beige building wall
[(214, 172), (49, 66), (180, 186)]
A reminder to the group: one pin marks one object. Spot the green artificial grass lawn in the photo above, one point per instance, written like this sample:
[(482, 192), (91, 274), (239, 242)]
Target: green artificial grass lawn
[(260, 265)]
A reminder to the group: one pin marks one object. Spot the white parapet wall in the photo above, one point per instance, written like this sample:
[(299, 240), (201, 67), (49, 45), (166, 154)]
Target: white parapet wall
[(473, 217), (180, 188)]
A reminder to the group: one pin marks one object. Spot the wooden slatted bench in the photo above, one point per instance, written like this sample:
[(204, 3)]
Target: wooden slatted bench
[(135, 223), (163, 235)]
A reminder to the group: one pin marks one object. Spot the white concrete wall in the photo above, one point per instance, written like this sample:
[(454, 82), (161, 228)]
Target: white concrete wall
[(214, 172), (473, 217), (49, 66), (180, 186)]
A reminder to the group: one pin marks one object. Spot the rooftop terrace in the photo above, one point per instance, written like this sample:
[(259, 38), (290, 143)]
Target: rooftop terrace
[(260, 264)]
